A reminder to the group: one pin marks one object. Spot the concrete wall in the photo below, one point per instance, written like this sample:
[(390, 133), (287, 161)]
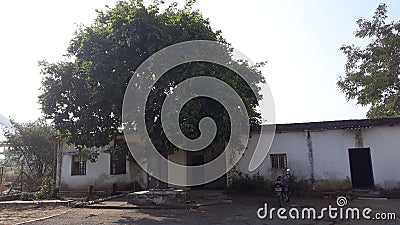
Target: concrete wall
[(319, 155), (185, 158), (179, 157), (385, 154), (98, 174), (323, 155)]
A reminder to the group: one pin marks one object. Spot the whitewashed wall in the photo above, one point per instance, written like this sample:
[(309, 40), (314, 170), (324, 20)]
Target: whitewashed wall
[(328, 158), (385, 154), (319, 154), (97, 174), (178, 157)]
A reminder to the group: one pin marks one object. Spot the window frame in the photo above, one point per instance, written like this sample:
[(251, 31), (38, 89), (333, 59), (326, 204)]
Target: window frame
[(279, 161), (81, 169), (118, 169)]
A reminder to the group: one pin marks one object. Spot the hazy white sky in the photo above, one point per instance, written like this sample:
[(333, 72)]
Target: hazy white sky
[(299, 39)]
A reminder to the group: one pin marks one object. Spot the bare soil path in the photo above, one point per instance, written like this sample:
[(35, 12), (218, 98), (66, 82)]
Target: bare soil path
[(242, 210)]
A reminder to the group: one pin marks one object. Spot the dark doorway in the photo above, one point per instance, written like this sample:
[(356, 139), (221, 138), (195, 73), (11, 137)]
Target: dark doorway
[(361, 168), (197, 160)]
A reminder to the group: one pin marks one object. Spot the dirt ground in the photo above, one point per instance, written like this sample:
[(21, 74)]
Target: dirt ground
[(13, 215), (242, 210)]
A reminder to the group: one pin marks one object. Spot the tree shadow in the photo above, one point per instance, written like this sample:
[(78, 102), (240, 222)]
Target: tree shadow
[(159, 218)]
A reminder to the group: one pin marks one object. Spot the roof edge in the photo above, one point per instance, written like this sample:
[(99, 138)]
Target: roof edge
[(336, 124)]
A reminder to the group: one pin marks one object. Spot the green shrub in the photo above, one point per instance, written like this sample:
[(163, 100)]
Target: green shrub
[(244, 183), (299, 187), (26, 196), (46, 189)]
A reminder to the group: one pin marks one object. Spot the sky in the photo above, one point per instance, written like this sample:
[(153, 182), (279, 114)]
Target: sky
[(300, 40)]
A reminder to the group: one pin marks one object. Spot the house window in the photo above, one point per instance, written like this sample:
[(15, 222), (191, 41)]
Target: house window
[(278, 161), (78, 165), (118, 164)]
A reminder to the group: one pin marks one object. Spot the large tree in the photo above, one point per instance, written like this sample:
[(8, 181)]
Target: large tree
[(32, 144), (83, 95), (373, 71)]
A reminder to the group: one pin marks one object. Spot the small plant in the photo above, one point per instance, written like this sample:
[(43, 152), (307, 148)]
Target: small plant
[(299, 187), (243, 183), (46, 189), (257, 184), (26, 196)]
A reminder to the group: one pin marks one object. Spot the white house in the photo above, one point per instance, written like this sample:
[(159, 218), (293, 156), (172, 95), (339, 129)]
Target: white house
[(359, 154), (76, 172)]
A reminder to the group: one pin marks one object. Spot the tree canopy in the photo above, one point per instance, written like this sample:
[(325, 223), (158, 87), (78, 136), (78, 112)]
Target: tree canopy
[(32, 144), (372, 74), (83, 95)]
